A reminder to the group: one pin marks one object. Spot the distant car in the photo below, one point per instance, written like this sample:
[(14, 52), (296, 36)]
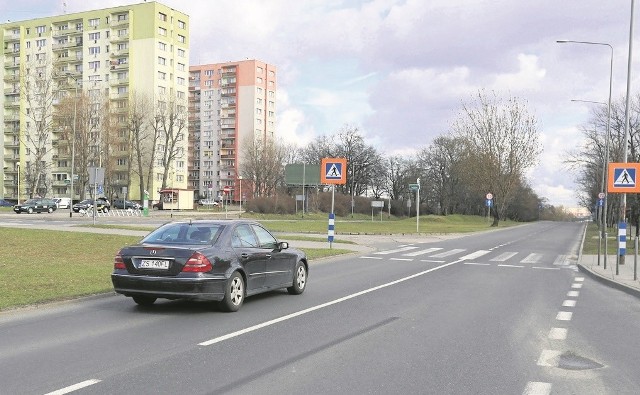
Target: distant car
[(207, 202), (157, 206), (125, 204), (38, 205), (4, 203), (223, 261), (63, 202), (101, 205)]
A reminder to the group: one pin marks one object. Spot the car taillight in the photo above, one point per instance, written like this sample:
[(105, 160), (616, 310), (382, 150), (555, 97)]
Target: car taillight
[(118, 263), (197, 263)]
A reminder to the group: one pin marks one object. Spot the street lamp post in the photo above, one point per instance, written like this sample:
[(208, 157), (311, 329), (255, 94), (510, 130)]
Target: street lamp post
[(240, 182), (18, 192), (607, 138), (73, 141)]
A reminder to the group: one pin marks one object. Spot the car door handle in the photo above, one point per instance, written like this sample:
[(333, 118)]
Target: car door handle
[(268, 256), (244, 256)]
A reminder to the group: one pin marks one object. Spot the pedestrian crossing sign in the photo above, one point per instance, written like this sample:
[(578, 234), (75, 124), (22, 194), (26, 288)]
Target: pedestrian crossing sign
[(623, 178), (333, 171)]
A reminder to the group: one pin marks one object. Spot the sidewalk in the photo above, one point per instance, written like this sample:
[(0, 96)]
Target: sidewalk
[(623, 280)]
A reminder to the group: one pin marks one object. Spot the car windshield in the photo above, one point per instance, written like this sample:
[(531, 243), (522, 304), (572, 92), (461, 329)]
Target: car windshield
[(31, 201), (184, 233)]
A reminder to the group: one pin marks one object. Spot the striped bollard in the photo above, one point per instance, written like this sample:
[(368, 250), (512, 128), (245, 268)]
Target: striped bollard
[(622, 244), (332, 224)]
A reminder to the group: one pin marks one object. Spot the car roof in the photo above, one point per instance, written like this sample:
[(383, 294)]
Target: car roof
[(215, 221)]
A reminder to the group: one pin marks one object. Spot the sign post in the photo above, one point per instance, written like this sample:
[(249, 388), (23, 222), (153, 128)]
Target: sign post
[(333, 171), (489, 205), (416, 188)]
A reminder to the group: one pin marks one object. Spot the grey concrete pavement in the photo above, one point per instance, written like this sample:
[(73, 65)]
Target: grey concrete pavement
[(622, 277)]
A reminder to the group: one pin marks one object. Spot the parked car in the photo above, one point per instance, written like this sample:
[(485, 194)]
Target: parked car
[(63, 202), (101, 205), (38, 205), (126, 204), (223, 261), (207, 202), (4, 203)]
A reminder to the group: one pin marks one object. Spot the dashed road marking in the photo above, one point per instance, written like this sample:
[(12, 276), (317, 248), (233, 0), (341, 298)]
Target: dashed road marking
[(564, 316), (573, 294), (401, 259), (505, 265), (475, 255), (532, 258), (504, 256), (422, 252), (569, 303), (537, 388), (576, 286), (448, 253), (558, 334), (579, 279), (477, 264), (401, 249), (74, 387), (546, 268)]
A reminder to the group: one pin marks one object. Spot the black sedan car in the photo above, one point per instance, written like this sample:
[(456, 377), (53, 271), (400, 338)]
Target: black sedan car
[(223, 261), (38, 205), (102, 205), (126, 204)]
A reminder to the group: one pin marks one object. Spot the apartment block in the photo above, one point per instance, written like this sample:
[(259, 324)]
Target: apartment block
[(229, 104), (114, 57)]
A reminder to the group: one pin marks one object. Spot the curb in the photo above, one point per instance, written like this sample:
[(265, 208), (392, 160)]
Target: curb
[(614, 284)]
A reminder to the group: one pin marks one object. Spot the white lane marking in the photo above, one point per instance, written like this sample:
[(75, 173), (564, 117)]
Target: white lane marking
[(504, 256), (532, 258), (505, 265), (569, 303), (579, 279), (401, 259), (546, 268), (447, 253), (561, 260), (401, 249), (537, 388), (576, 286), (422, 252), (573, 294), (431, 260), (564, 316), (558, 334), (477, 264), (475, 255), (371, 257), (74, 387), (320, 306), (549, 358)]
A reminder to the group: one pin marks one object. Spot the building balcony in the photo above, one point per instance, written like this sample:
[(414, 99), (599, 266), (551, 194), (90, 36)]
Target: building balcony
[(119, 23), (228, 126), (61, 46), (119, 81), (10, 64), (12, 104), (119, 39), (11, 143), (12, 37), (11, 78), (11, 91), (120, 52), (11, 117), (119, 66), (228, 70), (119, 96)]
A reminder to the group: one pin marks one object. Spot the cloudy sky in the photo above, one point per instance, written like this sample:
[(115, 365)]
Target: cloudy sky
[(400, 69)]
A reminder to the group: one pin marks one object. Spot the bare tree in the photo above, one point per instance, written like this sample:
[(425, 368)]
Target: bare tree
[(142, 138), (502, 143), (263, 165), (170, 128)]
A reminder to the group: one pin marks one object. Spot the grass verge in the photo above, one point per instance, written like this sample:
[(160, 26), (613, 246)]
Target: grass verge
[(38, 266)]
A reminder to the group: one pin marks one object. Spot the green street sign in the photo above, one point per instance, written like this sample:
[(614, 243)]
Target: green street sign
[(414, 187), (67, 181)]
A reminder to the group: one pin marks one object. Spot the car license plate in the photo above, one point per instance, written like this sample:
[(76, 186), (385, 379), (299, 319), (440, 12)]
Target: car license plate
[(154, 264)]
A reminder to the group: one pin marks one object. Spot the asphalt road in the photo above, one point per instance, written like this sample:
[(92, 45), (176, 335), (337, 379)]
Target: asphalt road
[(502, 312)]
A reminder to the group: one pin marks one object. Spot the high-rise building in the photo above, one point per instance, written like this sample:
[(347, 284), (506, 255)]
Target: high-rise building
[(70, 86), (229, 104)]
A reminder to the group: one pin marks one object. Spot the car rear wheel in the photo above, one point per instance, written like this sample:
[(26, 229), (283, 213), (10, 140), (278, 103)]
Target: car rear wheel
[(30, 210), (234, 293), (50, 210), (299, 279), (144, 300)]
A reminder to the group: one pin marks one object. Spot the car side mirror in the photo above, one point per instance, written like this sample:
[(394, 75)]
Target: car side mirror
[(283, 245)]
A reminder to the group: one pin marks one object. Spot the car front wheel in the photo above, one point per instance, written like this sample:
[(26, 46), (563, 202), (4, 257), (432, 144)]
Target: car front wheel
[(30, 210), (50, 210), (299, 279), (234, 293)]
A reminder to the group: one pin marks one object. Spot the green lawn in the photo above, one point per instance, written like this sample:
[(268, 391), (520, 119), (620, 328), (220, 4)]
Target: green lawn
[(38, 266), (592, 240)]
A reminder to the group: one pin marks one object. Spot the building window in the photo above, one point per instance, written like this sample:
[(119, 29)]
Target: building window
[(41, 29), (123, 32), (162, 46), (181, 52), (122, 17), (182, 38), (181, 24), (180, 81), (94, 65), (162, 61), (41, 43), (94, 22), (259, 80), (162, 31), (162, 17), (259, 70), (162, 90), (94, 50), (272, 73), (181, 67), (94, 36), (162, 75)]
